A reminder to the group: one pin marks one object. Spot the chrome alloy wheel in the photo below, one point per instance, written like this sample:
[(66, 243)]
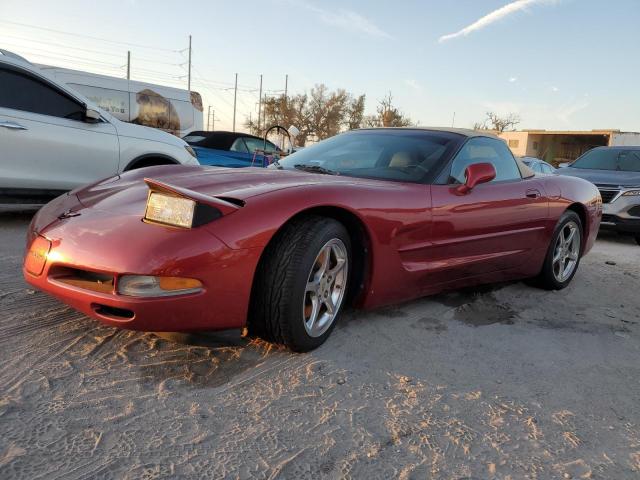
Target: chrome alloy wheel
[(566, 252), (326, 286)]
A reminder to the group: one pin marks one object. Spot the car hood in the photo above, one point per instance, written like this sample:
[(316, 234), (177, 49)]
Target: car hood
[(146, 133), (612, 178), (127, 193)]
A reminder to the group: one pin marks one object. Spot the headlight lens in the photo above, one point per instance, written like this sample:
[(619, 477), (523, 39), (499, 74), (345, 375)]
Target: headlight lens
[(170, 210), (631, 193), (191, 151), (150, 286)]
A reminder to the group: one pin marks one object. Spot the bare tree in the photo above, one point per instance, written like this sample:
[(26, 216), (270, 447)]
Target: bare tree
[(498, 123), (388, 115), (320, 114)]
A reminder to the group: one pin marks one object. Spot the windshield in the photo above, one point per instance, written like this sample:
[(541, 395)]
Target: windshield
[(609, 159), (407, 156)]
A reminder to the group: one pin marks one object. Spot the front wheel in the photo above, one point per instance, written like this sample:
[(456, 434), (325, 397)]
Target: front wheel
[(301, 283), (563, 255)]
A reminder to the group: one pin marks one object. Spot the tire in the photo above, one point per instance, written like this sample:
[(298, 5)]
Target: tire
[(289, 278), (563, 258)]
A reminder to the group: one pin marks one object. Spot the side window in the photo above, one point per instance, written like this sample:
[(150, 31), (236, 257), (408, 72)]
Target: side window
[(116, 102), (485, 150), (23, 92), (239, 146), (255, 144), (546, 168), (536, 167)]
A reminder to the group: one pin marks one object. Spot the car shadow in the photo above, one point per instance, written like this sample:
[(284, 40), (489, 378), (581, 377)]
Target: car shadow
[(614, 237), (203, 359)]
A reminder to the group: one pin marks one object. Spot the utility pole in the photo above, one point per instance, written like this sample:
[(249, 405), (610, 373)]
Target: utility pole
[(208, 118), (189, 77), (235, 98), (454, 120), (213, 120), (128, 64), (286, 87), (260, 103)]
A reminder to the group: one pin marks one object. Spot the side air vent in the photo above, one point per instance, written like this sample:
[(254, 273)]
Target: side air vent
[(234, 201)]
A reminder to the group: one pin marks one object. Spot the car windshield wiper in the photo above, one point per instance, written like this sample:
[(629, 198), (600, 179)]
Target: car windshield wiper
[(315, 169)]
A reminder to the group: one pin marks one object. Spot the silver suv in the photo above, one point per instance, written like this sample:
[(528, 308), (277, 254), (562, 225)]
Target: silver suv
[(52, 139), (616, 173)]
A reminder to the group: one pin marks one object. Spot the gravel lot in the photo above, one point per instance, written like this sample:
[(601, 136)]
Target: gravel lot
[(500, 382)]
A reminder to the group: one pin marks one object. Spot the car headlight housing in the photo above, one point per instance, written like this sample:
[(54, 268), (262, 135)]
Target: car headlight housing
[(152, 286), (170, 210), (191, 151), (177, 211), (631, 193)]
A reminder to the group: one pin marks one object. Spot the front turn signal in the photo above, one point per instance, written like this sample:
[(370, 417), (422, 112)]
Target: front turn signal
[(152, 286)]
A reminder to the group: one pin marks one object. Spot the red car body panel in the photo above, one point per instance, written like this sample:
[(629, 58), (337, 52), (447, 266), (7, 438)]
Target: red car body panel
[(420, 239)]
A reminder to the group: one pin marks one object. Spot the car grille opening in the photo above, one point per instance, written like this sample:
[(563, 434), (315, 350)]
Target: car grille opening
[(608, 195), (96, 282), (113, 312)]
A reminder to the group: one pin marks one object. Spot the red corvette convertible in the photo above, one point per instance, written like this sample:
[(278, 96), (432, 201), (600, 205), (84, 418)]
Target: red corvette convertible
[(369, 217)]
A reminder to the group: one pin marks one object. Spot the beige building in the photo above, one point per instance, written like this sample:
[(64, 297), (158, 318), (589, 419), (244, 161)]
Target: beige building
[(556, 146)]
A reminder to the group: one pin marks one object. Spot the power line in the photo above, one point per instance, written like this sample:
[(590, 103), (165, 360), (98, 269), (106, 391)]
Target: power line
[(90, 37), (65, 56)]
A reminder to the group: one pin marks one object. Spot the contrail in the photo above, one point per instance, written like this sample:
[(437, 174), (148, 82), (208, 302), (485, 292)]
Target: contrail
[(493, 17)]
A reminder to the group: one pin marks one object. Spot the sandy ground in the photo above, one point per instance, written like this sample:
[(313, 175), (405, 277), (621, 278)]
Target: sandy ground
[(503, 382)]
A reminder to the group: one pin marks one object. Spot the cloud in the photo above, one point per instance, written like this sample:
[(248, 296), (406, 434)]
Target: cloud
[(495, 16), (513, 79), (413, 84), (344, 19)]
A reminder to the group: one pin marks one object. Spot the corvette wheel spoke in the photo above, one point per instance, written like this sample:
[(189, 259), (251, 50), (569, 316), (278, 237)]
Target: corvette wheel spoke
[(324, 261), (569, 238), (314, 312), (312, 286), (331, 308), (340, 263)]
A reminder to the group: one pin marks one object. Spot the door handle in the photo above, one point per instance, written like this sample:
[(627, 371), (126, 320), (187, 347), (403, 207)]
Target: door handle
[(533, 193), (13, 126)]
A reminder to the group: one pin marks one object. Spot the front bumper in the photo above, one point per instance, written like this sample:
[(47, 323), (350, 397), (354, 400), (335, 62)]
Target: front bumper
[(618, 224), (108, 245), (622, 215)]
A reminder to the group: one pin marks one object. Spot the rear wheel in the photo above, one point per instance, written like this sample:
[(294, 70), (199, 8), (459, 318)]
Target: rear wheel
[(563, 256), (301, 283)]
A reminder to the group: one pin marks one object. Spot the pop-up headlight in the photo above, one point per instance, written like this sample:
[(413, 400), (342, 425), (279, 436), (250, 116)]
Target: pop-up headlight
[(170, 210)]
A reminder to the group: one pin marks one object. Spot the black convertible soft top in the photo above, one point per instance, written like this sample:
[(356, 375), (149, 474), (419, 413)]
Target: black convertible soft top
[(218, 140)]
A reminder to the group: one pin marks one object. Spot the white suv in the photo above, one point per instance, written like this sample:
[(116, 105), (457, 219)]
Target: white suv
[(52, 139)]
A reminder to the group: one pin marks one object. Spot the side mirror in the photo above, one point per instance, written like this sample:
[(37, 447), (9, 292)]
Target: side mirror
[(92, 115), (476, 174)]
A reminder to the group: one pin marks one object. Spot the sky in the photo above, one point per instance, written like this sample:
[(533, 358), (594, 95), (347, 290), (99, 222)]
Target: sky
[(558, 64)]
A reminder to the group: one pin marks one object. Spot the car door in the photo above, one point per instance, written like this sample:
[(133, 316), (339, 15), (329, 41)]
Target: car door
[(496, 226), (46, 143)]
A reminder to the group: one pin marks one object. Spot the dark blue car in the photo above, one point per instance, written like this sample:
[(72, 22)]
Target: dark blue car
[(231, 149)]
